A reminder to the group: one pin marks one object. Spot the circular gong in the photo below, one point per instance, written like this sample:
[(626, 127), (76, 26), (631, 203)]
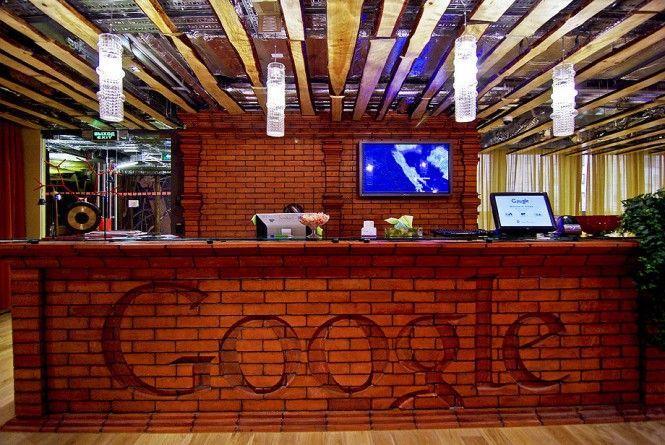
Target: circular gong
[(82, 217)]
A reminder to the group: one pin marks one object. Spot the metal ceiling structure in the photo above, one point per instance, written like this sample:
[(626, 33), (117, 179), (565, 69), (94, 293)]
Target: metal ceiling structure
[(215, 53)]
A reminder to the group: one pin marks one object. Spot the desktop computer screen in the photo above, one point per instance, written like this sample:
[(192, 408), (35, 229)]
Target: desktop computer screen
[(522, 213)]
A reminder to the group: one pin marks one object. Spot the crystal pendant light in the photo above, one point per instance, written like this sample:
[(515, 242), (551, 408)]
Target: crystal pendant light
[(110, 96), (563, 99), (465, 74), (276, 99)]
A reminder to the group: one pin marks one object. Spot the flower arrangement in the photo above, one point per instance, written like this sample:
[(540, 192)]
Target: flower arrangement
[(314, 221)]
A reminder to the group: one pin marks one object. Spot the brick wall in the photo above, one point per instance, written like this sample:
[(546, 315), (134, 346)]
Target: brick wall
[(265, 327), (233, 170)]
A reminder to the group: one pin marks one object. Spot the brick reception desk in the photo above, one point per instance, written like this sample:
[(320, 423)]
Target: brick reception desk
[(191, 336)]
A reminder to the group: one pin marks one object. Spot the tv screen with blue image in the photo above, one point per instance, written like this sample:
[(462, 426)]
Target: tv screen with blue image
[(405, 169)]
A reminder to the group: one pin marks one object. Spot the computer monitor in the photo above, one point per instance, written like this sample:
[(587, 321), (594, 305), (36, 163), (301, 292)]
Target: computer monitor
[(521, 214), (277, 225)]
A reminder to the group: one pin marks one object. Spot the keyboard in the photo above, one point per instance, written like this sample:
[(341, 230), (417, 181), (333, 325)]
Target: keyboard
[(459, 233)]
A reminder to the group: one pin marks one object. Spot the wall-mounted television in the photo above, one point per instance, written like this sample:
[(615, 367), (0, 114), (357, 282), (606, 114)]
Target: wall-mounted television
[(405, 168)]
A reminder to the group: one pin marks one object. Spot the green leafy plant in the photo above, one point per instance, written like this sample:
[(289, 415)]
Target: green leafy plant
[(644, 216)]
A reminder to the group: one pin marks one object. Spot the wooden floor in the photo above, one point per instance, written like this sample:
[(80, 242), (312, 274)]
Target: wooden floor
[(614, 434)]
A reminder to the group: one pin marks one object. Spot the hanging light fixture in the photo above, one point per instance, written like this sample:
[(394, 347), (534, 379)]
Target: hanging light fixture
[(276, 99), (110, 96), (563, 99), (465, 78)]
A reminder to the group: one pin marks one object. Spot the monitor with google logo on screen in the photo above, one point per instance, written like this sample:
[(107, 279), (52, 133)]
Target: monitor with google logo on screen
[(522, 213)]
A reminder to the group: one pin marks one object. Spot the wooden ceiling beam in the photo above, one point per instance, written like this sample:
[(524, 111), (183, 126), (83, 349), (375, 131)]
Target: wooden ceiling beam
[(380, 47), (596, 103), (659, 102), (72, 60), (38, 115), (391, 11), (583, 147), (240, 40), (162, 21), (581, 17), (585, 74), (19, 120), (65, 15), (487, 12), (601, 41), (292, 13), (430, 15), (651, 145), (80, 93), (343, 23), (42, 99), (602, 148), (540, 14), (379, 50), (297, 49)]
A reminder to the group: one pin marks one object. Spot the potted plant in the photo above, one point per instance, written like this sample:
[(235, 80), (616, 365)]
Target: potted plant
[(644, 216)]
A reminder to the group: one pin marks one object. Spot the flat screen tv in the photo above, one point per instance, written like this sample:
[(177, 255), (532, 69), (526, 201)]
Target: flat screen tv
[(405, 168)]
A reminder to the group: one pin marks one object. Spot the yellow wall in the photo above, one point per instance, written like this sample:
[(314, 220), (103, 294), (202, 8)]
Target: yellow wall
[(33, 160)]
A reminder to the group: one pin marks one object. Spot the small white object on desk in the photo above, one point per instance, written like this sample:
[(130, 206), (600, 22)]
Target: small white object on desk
[(368, 230), (286, 232)]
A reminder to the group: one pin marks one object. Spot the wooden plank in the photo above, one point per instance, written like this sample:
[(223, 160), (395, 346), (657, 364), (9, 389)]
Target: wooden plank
[(70, 19), (292, 14), (72, 60), (581, 17), (599, 123), (602, 148), (490, 11), (336, 107), (294, 25), (162, 21), (601, 41), (587, 73), (41, 116), (300, 71), (19, 120), (584, 147), (651, 145), (379, 50), (84, 100), (27, 56), (42, 99), (391, 10), (235, 32), (430, 15), (596, 103), (343, 22), (65, 15), (24, 55), (446, 68), (527, 27)]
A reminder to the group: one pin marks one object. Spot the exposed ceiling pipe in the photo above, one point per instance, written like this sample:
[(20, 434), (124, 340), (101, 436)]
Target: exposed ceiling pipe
[(147, 57)]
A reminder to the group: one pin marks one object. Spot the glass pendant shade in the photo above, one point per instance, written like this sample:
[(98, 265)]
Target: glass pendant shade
[(110, 96), (276, 99), (563, 100), (465, 83)]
